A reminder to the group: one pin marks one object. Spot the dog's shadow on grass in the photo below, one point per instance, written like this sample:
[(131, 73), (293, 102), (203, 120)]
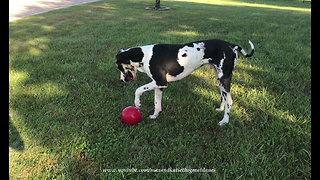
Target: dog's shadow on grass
[(15, 140)]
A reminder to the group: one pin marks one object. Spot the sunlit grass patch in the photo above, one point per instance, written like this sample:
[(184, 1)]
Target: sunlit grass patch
[(250, 4)]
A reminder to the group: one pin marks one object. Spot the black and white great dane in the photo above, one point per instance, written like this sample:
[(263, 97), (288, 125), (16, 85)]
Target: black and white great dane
[(164, 63)]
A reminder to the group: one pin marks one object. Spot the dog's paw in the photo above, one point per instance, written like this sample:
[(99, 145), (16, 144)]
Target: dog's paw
[(153, 116), (137, 104), (223, 122), (219, 109)]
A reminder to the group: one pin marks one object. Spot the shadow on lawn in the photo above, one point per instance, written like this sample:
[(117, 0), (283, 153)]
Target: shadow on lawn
[(15, 140), (63, 96)]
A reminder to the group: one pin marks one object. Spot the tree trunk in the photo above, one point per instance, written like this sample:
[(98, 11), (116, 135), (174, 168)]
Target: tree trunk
[(157, 4)]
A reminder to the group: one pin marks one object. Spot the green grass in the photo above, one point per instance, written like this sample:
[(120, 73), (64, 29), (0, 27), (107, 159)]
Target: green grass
[(65, 97)]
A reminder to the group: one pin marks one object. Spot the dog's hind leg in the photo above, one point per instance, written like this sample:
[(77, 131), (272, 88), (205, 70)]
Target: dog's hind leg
[(221, 108), (226, 97)]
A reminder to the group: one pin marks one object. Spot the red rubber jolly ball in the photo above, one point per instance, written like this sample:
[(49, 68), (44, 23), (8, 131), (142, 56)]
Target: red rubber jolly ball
[(131, 115)]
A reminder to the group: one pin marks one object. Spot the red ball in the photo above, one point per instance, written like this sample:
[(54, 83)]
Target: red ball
[(131, 115)]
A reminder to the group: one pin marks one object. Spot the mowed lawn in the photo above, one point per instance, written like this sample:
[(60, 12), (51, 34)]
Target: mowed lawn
[(65, 96)]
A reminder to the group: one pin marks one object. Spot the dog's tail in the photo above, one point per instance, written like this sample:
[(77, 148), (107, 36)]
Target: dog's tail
[(244, 52)]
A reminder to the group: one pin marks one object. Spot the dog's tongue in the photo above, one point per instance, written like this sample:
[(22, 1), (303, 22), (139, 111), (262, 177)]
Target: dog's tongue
[(133, 75)]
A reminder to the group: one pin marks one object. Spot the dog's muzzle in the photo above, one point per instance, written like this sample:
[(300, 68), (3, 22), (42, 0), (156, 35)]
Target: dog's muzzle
[(128, 76)]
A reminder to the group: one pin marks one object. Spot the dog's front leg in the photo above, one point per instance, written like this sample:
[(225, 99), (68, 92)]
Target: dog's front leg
[(157, 103), (142, 89)]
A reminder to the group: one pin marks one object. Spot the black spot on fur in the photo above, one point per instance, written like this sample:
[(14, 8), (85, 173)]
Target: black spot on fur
[(224, 94), (135, 54), (213, 49), (184, 55), (226, 82), (164, 61), (198, 49)]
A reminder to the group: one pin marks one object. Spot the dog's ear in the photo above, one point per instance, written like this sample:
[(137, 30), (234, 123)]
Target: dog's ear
[(121, 50), (135, 54), (122, 57)]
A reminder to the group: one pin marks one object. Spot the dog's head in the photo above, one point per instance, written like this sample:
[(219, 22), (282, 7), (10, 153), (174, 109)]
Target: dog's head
[(128, 69)]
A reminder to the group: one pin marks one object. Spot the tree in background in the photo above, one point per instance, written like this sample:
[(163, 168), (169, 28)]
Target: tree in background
[(157, 7)]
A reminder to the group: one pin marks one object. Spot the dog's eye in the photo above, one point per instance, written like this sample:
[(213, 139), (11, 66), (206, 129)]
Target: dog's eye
[(131, 68)]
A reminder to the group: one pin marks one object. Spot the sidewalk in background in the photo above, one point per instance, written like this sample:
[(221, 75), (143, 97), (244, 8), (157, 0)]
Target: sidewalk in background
[(23, 8)]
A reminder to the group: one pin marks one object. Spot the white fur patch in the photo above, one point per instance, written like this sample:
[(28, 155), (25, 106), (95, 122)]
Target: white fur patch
[(147, 54), (219, 68), (243, 52), (251, 44), (191, 56)]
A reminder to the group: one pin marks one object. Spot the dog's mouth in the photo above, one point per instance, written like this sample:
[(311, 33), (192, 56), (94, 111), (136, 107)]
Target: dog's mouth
[(131, 75)]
